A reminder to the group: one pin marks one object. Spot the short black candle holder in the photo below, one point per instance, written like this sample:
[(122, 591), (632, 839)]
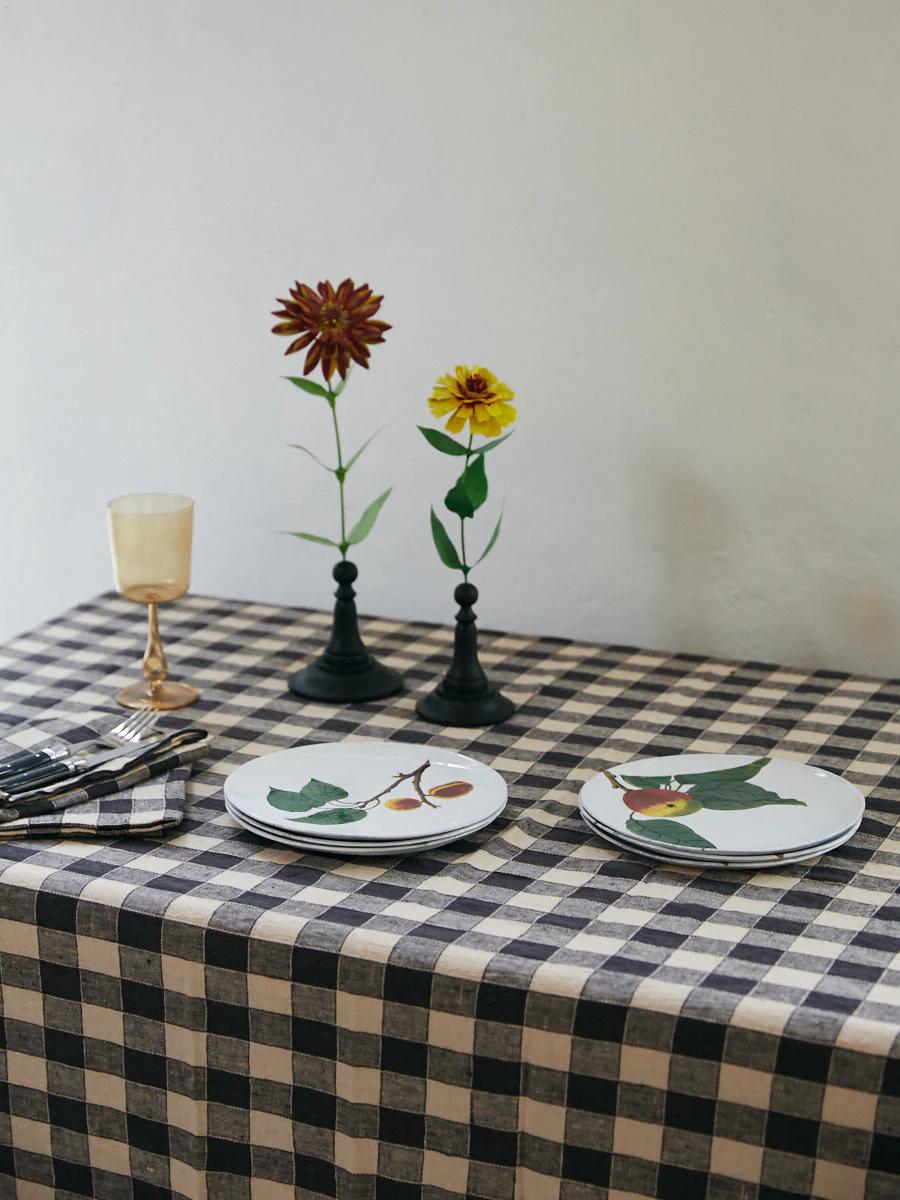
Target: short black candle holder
[(345, 672), (465, 696)]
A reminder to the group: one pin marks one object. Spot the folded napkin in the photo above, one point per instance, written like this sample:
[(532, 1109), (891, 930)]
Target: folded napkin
[(122, 796)]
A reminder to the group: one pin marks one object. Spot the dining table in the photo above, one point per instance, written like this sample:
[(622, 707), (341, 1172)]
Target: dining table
[(529, 1013)]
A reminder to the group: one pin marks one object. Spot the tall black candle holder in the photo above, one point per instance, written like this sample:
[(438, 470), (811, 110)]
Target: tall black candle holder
[(465, 696), (345, 671)]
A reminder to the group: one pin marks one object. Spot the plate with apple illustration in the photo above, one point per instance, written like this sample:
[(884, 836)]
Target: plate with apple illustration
[(740, 862), (364, 792), (722, 805)]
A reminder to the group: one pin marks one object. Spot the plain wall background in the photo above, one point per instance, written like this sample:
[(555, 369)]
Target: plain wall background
[(671, 226)]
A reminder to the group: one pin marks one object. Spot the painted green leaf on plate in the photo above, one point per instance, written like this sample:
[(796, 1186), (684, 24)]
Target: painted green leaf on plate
[(671, 832), (312, 795), (729, 795), (645, 781), (744, 772), (334, 816)]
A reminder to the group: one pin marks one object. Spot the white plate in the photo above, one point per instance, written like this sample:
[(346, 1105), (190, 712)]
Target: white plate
[(745, 862), (351, 790), (347, 846), (352, 849), (700, 853), (723, 805), (311, 833)]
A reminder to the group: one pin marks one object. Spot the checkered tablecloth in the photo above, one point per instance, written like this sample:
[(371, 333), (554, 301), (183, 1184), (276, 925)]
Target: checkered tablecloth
[(526, 1015)]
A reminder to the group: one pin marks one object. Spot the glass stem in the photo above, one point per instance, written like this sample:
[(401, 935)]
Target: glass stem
[(155, 665), (332, 402)]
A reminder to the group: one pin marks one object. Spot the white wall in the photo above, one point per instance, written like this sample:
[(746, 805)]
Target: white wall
[(671, 225)]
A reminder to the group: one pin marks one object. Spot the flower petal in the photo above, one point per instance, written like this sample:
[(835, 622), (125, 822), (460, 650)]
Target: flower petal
[(312, 358)]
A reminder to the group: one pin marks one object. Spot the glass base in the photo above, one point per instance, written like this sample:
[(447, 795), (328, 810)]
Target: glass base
[(163, 696)]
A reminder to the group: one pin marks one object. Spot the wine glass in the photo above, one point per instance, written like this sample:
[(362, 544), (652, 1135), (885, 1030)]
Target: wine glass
[(150, 537)]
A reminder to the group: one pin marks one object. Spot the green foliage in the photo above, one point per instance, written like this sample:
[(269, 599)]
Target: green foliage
[(442, 441), (364, 446), (729, 795), (334, 816), (470, 490), (490, 445), (307, 385), (646, 781), (311, 537), (313, 794), (315, 458), (489, 547), (444, 544), (671, 832), (363, 526), (728, 774)]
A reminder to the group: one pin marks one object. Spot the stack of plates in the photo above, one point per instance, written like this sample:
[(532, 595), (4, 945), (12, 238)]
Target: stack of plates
[(722, 810), (364, 798)]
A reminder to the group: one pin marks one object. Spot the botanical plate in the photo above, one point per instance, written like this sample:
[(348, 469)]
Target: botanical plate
[(743, 862), (348, 849), (680, 852), (346, 845), (366, 791), (724, 805)]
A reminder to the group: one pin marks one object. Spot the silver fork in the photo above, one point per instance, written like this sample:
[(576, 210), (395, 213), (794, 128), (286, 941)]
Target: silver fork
[(136, 727)]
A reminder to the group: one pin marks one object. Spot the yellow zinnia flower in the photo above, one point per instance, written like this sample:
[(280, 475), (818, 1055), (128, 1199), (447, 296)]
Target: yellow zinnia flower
[(476, 395)]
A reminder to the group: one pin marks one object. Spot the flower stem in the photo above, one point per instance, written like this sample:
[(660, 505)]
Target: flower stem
[(462, 520), (340, 473)]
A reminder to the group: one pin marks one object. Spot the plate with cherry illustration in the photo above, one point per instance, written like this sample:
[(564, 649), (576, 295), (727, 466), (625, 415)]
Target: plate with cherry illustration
[(722, 806), (365, 793)]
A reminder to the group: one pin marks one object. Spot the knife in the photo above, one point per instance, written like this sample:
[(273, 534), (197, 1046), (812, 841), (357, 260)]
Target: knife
[(29, 781), (24, 760)]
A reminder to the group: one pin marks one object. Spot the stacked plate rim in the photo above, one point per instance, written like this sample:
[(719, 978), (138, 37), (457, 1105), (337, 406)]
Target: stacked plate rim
[(364, 797), (722, 809)]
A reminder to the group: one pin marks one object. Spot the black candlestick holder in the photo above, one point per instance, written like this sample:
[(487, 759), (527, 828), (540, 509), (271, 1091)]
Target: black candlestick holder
[(465, 696), (345, 671)]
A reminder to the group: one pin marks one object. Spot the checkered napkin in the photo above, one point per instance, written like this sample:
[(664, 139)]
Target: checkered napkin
[(140, 796)]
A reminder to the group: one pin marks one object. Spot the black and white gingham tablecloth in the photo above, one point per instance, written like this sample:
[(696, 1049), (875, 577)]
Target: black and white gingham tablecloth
[(526, 1015)]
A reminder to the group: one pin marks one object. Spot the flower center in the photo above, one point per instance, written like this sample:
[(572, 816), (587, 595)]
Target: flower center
[(474, 383), (331, 318)]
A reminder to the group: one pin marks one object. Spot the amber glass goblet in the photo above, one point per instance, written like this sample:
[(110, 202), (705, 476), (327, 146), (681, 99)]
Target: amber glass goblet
[(150, 535)]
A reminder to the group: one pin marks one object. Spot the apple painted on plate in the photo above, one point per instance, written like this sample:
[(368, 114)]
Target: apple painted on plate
[(661, 802)]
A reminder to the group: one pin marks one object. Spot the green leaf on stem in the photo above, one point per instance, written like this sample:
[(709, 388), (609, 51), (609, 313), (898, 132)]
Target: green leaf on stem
[(314, 457), (490, 445), (313, 794), (470, 490), (364, 446), (489, 547), (307, 385), (343, 383), (728, 775), (441, 441), (668, 831), (334, 816), (310, 537), (444, 544), (363, 526), (646, 781), (726, 795)]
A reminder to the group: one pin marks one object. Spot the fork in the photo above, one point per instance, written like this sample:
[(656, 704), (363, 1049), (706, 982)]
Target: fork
[(133, 728)]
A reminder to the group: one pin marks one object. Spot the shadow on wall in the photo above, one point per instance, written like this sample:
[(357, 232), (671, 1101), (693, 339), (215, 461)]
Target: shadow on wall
[(717, 568)]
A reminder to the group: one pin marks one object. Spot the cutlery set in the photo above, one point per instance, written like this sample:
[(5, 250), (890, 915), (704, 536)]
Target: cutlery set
[(32, 770)]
